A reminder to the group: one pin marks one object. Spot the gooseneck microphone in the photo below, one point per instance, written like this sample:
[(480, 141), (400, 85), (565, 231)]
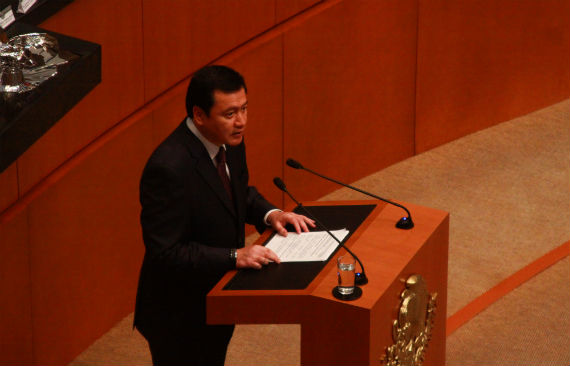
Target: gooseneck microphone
[(404, 223), (360, 278)]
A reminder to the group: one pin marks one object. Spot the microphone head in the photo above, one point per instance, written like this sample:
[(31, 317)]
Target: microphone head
[(279, 184), (294, 164)]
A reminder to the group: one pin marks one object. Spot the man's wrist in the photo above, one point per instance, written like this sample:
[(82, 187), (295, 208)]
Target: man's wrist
[(266, 217), (233, 257)]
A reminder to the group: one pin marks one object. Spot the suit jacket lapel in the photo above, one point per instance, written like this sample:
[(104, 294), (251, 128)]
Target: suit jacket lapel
[(206, 168)]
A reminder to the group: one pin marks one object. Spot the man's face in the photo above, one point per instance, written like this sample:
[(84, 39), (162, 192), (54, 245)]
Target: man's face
[(227, 119)]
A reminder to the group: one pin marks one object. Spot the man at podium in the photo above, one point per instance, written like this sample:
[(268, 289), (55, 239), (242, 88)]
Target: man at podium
[(195, 202)]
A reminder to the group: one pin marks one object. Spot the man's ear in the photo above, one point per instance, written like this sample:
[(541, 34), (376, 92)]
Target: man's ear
[(198, 115)]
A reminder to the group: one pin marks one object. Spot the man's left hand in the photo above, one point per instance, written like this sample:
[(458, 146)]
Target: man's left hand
[(278, 220)]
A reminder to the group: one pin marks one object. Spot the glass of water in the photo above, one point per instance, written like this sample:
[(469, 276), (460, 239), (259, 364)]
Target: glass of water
[(346, 267)]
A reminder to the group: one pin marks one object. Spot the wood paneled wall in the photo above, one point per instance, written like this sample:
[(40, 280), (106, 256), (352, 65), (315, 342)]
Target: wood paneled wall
[(15, 292), (346, 87), (120, 93), (483, 62), (349, 77)]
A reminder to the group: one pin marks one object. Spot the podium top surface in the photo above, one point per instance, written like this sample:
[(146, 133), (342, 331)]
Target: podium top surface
[(384, 250)]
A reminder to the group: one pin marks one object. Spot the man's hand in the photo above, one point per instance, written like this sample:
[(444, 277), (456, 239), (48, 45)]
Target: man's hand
[(278, 220), (255, 256)]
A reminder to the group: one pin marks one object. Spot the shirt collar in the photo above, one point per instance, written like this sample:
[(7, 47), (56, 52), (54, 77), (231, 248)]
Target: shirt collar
[(210, 146)]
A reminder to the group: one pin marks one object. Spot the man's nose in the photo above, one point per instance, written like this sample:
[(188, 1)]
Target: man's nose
[(241, 119)]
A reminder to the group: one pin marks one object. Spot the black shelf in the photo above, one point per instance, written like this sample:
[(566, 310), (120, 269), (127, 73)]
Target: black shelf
[(39, 12), (24, 118)]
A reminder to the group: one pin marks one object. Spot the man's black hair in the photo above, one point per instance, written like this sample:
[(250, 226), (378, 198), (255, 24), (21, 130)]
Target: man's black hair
[(208, 79)]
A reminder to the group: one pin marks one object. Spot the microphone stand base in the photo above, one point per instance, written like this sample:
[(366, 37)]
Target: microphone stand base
[(360, 280), (405, 223), (353, 296)]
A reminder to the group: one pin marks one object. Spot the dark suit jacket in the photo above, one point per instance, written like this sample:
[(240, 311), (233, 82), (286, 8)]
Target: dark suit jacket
[(189, 223)]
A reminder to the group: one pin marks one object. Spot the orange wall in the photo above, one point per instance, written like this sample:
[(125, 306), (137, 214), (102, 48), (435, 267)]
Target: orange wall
[(349, 92), (481, 62), (119, 94), (188, 34), (85, 245), (347, 87), (15, 292)]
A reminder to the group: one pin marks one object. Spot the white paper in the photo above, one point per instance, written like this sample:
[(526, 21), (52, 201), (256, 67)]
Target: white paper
[(6, 17), (305, 247), (25, 5)]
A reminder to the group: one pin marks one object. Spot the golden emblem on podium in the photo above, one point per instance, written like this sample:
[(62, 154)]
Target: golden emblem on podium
[(411, 332)]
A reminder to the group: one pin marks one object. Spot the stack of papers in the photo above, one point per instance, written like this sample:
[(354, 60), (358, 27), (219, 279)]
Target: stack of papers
[(306, 247)]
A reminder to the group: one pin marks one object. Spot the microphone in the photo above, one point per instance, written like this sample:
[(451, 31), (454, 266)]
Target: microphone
[(405, 223), (360, 278)]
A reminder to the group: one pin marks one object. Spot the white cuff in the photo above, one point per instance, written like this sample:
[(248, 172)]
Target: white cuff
[(267, 215)]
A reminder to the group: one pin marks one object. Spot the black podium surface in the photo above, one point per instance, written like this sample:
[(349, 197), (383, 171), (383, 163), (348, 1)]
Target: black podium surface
[(298, 275)]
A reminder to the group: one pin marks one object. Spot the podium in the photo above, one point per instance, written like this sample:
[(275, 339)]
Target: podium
[(400, 317)]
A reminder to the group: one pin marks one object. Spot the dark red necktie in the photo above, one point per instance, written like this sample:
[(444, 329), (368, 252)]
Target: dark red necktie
[(221, 160)]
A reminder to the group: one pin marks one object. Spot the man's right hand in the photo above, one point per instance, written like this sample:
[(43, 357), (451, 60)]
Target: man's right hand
[(255, 256)]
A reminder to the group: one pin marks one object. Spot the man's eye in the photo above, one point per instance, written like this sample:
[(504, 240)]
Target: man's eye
[(244, 108), (229, 115)]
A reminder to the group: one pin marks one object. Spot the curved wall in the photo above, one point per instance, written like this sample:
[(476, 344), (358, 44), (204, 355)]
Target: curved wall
[(483, 62), (347, 87)]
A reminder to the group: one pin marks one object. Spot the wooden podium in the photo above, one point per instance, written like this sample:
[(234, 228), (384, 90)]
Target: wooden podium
[(371, 330)]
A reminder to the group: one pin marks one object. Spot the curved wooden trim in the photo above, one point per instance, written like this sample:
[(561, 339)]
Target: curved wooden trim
[(504, 287), (275, 31)]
